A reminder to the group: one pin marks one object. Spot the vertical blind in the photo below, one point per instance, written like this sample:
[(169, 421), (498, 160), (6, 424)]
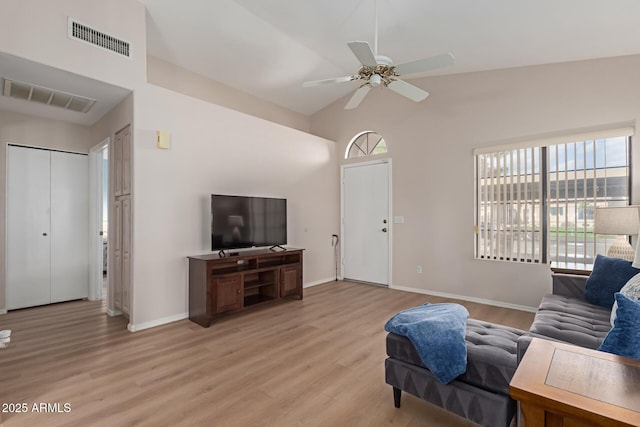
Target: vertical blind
[(509, 207), (536, 203)]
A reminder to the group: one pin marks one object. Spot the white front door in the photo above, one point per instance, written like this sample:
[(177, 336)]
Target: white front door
[(365, 220)]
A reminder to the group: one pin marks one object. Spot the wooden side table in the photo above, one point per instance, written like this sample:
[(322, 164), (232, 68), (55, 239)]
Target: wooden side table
[(564, 385)]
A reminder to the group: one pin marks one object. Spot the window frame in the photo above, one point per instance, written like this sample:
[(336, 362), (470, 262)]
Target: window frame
[(357, 137), (504, 185)]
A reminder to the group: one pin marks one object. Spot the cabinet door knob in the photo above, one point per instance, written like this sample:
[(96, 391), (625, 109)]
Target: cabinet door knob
[(238, 292), (44, 234)]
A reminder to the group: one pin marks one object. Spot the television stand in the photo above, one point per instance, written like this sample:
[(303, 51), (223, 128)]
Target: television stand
[(272, 248), (219, 285)]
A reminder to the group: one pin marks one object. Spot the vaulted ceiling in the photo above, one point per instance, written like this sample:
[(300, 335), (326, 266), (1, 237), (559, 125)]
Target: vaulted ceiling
[(270, 47)]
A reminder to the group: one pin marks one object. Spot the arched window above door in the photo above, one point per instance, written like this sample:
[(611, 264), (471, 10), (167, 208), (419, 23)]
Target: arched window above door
[(364, 144)]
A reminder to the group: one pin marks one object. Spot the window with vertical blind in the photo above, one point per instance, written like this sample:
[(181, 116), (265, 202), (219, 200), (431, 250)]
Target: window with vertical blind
[(535, 201)]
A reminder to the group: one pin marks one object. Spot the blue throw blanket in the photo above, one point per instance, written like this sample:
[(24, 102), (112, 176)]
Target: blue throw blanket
[(437, 331)]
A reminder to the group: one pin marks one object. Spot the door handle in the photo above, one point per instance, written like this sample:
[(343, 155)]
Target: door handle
[(384, 230)]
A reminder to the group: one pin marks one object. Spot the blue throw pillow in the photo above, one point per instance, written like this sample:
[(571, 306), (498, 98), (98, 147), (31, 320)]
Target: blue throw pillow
[(624, 338), (630, 290), (608, 276)]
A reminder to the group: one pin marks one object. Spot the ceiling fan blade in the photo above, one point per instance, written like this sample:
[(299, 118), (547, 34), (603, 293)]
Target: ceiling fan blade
[(328, 81), (426, 64), (357, 97), (412, 92), (363, 52)]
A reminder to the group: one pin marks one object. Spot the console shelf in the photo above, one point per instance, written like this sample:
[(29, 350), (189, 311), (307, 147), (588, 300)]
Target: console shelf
[(224, 284)]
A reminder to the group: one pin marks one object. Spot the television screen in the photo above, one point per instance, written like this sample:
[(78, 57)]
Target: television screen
[(244, 222)]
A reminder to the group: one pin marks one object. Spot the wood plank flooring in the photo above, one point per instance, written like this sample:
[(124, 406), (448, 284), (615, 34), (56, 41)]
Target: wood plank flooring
[(316, 362)]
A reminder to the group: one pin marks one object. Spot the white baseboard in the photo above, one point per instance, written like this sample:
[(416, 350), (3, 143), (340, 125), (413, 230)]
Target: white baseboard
[(318, 282), (114, 313), (135, 328), (3, 311), (466, 298)]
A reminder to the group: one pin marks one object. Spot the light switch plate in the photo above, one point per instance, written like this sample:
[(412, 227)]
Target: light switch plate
[(163, 139)]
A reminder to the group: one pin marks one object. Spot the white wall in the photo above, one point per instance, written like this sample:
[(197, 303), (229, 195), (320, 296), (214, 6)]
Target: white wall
[(33, 131), (173, 77), (37, 30), (113, 121), (431, 145), (217, 150)]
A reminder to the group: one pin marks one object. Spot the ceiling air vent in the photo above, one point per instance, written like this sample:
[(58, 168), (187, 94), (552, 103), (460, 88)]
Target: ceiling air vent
[(43, 95), (89, 35)]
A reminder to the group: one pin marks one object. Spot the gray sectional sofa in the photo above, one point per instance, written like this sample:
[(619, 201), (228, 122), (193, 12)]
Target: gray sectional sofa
[(493, 352)]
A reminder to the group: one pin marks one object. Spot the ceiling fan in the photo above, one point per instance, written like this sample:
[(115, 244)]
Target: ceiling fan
[(379, 70)]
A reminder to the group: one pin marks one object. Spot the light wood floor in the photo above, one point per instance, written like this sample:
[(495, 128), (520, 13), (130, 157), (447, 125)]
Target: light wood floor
[(316, 362)]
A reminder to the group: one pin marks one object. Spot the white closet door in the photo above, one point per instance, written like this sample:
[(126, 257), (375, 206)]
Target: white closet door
[(69, 226), (28, 227)]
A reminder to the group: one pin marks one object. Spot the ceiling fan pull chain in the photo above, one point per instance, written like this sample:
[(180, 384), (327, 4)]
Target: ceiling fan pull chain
[(375, 27)]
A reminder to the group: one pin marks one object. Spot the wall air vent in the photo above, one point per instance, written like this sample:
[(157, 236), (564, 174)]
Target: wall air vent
[(92, 36), (43, 95)]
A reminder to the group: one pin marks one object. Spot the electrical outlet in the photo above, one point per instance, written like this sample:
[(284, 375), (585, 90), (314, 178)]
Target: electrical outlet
[(419, 269)]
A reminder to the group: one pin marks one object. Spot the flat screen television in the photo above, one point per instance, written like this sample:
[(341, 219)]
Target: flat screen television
[(245, 222)]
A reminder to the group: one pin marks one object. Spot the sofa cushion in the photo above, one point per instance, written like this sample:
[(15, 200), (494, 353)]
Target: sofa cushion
[(491, 354), (631, 290), (624, 338), (571, 320), (608, 276)]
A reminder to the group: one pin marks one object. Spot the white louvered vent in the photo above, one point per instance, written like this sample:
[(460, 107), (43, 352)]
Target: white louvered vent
[(43, 95), (92, 36)]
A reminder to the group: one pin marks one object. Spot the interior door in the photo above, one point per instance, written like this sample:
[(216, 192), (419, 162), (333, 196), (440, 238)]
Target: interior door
[(69, 226), (126, 255), (365, 204), (116, 242), (28, 227)]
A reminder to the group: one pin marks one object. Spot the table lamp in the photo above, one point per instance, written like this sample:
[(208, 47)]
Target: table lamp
[(621, 221)]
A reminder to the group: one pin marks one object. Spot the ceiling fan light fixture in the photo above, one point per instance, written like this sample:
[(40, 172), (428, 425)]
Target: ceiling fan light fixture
[(379, 70)]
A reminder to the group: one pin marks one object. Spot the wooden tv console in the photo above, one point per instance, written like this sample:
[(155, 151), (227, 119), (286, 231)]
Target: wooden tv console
[(223, 284)]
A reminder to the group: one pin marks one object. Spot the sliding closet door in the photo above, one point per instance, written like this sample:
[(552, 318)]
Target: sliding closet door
[(28, 227), (69, 226)]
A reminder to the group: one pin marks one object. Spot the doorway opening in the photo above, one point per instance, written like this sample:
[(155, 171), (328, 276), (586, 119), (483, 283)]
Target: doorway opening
[(99, 221)]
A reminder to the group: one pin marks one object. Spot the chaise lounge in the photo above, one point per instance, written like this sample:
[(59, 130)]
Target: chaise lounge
[(481, 394)]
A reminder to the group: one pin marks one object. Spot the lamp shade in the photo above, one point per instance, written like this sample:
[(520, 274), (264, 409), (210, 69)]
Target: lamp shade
[(617, 220)]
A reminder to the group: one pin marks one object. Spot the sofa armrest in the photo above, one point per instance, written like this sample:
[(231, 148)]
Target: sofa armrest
[(569, 285), (521, 347), (524, 341)]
